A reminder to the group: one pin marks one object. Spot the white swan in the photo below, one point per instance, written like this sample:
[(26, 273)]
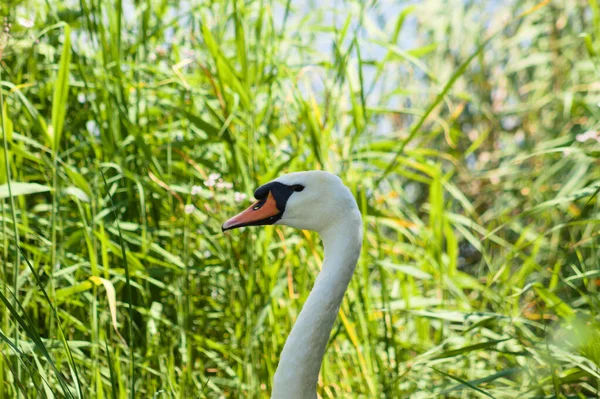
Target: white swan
[(317, 201)]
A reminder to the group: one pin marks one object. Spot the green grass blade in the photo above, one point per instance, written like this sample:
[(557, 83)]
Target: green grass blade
[(61, 91), (463, 382), (129, 292)]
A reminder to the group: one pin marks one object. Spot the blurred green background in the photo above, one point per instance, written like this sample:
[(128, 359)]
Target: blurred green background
[(468, 131)]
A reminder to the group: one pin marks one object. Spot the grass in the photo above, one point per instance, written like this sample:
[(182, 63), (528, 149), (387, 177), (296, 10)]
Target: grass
[(468, 131)]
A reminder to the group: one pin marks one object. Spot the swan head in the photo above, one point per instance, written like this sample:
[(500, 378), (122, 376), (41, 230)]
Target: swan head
[(313, 200)]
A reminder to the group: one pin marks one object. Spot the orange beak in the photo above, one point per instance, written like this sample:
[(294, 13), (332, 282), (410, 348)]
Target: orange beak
[(257, 214)]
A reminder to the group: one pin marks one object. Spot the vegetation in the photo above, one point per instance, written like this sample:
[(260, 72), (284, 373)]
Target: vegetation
[(468, 130)]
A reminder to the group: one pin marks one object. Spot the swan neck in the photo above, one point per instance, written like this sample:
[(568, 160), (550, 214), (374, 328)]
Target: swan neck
[(298, 371)]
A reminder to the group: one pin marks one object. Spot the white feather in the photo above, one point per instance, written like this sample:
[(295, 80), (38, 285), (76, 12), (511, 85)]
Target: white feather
[(327, 207)]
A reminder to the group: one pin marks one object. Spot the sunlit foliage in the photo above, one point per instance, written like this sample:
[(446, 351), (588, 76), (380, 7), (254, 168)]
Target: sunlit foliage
[(469, 132)]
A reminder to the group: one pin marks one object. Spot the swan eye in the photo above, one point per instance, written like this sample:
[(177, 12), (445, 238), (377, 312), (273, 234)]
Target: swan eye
[(297, 187)]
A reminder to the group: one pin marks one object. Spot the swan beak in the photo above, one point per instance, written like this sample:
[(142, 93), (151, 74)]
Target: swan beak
[(262, 212)]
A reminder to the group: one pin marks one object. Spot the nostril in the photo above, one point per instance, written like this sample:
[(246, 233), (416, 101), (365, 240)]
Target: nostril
[(259, 204)]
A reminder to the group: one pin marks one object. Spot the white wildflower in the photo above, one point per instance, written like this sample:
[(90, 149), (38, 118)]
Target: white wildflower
[(589, 135), (212, 180), (239, 197), (25, 22), (93, 128), (209, 183), (196, 190), (224, 185), (189, 208)]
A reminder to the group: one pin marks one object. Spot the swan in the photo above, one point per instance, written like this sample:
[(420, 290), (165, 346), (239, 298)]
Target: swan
[(317, 201)]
